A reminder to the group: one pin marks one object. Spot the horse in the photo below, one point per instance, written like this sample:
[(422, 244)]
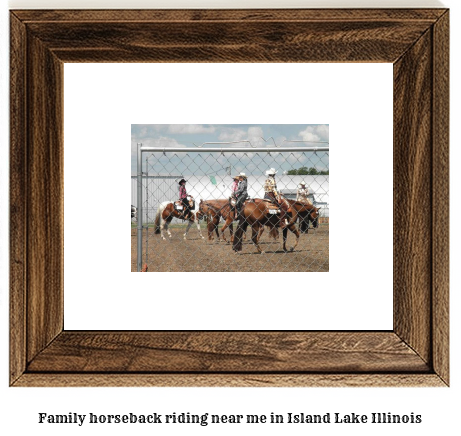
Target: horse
[(165, 214), (257, 214), (306, 213), (215, 210)]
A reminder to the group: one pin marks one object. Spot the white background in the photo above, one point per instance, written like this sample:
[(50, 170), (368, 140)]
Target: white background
[(439, 407), (101, 102)]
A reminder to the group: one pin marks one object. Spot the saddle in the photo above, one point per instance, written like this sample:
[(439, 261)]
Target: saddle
[(271, 205), (178, 205)]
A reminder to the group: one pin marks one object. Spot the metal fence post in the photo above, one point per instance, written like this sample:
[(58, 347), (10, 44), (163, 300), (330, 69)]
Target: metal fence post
[(139, 205)]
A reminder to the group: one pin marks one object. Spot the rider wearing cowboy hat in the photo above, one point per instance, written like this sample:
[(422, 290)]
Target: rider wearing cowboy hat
[(271, 193), (183, 198), (302, 194), (242, 192)]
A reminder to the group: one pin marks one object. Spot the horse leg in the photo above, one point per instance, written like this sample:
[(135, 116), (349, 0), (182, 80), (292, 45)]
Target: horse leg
[(216, 226), (189, 223), (256, 231), (162, 227), (224, 227), (210, 226), (285, 233), (294, 230), (167, 223), (260, 232), (198, 227), (231, 230)]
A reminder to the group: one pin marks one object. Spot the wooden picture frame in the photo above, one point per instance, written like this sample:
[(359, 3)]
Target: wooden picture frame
[(414, 353)]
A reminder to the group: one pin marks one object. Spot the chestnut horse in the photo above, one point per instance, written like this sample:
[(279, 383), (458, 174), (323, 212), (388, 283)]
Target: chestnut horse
[(258, 214), (165, 214), (306, 213), (215, 210)]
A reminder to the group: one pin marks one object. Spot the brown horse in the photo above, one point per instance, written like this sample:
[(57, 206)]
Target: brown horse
[(305, 213), (257, 214), (215, 210), (165, 214)]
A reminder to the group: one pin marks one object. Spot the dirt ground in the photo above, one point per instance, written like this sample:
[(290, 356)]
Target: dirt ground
[(199, 255)]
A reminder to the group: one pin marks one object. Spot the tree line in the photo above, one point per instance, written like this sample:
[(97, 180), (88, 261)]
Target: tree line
[(305, 171)]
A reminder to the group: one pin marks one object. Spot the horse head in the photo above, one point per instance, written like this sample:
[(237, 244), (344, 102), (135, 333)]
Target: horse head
[(200, 213), (314, 216)]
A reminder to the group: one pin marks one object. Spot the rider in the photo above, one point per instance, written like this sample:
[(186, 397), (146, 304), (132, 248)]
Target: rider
[(302, 194), (271, 193), (233, 197), (183, 198), (235, 184), (242, 192)]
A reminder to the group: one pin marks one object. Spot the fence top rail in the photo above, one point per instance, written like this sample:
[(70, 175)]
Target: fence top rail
[(232, 149)]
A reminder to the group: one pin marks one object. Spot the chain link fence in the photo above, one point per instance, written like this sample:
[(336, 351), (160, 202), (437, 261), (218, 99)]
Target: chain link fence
[(208, 231)]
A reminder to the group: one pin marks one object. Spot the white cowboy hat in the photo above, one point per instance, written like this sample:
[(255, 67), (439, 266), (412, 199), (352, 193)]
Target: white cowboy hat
[(302, 183), (242, 175), (271, 172)]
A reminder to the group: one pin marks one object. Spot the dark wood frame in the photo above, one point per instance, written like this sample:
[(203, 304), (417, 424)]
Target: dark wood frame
[(415, 352)]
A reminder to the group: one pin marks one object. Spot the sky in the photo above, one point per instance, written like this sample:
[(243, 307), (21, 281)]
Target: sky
[(258, 135)]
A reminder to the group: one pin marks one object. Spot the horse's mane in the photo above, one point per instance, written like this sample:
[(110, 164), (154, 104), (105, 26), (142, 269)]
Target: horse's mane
[(301, 204), (218, 208)]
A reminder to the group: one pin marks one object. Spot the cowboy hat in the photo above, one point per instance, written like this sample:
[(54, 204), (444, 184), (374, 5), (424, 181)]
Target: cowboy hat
[(242, 175), (302, 183), (182, 181), (235, 177), (271, 172)]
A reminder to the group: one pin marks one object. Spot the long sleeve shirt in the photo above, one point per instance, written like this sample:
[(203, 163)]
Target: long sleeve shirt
[(182, 192), (302, 195), (242, 188), (270, 185)]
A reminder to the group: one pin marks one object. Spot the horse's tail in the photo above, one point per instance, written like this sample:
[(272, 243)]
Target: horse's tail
[(157, 221), (241, 229)]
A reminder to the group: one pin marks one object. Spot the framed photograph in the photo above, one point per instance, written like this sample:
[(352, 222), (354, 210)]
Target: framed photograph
[(228, 183), (414, 353)]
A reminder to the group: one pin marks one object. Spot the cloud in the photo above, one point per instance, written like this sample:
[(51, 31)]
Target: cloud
[(323, 131), (189, 128), (232, 134), (315, 133), (162, 142), (253, 134)]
